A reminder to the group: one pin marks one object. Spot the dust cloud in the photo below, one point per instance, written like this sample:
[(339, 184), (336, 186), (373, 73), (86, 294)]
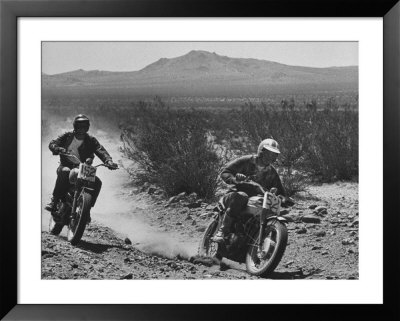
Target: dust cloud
[(115, 207)]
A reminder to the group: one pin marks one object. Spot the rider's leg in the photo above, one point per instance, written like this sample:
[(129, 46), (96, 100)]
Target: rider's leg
[(97, 187), (235, 202), (60, 188), (224, 228)]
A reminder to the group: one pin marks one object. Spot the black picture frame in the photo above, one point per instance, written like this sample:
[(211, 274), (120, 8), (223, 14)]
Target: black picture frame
[(9, 13)]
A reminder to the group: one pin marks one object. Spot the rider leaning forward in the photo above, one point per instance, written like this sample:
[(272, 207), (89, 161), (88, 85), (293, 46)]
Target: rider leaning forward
[(79, 143), (258, 168)]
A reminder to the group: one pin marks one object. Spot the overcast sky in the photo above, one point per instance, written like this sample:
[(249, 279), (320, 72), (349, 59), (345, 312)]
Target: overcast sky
[(60, 57)]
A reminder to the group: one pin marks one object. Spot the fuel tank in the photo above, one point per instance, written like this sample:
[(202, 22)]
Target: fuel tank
[(254, 206), (73, 175)]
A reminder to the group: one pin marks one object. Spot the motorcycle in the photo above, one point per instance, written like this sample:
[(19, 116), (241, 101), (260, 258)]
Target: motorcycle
[(258, 237), (75, 211)]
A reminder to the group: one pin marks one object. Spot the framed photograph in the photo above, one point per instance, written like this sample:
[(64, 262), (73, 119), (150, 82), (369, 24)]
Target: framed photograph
[(239, 156)]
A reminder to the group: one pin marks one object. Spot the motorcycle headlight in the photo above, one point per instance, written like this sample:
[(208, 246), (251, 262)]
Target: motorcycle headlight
[(73, 175)]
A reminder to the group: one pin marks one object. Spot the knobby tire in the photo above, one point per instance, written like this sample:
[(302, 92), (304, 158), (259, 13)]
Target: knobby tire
[(272, 263), (84, 204)]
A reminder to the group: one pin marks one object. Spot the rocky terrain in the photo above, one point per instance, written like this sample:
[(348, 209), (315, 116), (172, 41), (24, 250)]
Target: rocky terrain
[(323, 240)]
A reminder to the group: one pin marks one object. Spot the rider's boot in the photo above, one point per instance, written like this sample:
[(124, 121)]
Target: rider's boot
[(52, 206), (224, 229), (89, 219)]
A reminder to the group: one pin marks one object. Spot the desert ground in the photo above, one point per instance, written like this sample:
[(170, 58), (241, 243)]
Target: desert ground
[(137, 232)]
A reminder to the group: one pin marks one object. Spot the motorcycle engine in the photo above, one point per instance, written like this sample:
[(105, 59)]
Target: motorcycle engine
[(235, 240), (234, 246), (64, 210)]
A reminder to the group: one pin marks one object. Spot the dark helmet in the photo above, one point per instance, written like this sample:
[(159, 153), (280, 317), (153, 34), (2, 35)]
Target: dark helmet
[(81, 119)]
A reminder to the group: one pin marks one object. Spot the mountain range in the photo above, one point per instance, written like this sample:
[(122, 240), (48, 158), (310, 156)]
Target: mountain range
[(202, 72)]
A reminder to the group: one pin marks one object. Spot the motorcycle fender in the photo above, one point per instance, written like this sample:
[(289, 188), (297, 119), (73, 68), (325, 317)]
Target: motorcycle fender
[(279, 218)]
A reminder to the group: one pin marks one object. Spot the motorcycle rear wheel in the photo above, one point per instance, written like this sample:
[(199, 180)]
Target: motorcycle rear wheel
[(206, 246), (77, 226), (275, 241)]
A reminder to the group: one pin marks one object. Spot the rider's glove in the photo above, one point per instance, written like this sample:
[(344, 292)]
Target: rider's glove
[(283, 199), (286, 201), (59, 150), (111, 165)]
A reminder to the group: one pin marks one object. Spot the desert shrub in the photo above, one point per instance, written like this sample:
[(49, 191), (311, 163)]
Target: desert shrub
[(318, 135), (322, 142), (172, 149), (293, 181), (333, 150), (289, 127)]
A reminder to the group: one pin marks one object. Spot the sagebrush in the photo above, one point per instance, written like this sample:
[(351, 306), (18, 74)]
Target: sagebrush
[(183, 149), (173, 149), (322, 142)]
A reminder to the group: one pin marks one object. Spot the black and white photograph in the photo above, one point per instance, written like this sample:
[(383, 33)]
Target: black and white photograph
[(171, 160), (218, 160), (159, 158)]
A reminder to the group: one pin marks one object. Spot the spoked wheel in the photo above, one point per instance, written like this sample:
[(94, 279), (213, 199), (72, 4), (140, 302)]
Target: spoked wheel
[(263, 262), (206, 246), (77, 226)]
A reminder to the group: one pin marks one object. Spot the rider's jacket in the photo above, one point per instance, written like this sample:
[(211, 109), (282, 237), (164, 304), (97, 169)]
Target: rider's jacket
[(88, 149), (267, 176)]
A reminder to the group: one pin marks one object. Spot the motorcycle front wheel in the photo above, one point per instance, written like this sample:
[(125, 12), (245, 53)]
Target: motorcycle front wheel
[(206, 246), (263, 262), (77, 226)]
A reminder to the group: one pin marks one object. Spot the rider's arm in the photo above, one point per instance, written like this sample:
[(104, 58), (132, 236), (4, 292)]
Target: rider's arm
[(278, 183), (100, 151), (234, 167), (58, 142)]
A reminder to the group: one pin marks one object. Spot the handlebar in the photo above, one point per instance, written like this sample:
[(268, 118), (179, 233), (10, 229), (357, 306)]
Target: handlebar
[(105, 165), (79, 161), (249, 180), (286, 201), (70, 155)]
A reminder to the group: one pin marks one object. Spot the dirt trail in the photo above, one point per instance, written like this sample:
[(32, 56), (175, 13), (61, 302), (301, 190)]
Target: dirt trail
[(117, 207), (119, 214), (163, 237)]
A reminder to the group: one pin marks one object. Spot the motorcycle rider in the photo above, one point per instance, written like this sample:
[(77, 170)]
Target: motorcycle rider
[(261, 172), (79, 143)]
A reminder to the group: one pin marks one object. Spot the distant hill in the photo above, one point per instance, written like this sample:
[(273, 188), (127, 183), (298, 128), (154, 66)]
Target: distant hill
[(202, 73)]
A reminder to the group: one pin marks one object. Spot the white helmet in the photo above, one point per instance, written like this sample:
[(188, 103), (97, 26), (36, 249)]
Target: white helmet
[(269, 144)]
